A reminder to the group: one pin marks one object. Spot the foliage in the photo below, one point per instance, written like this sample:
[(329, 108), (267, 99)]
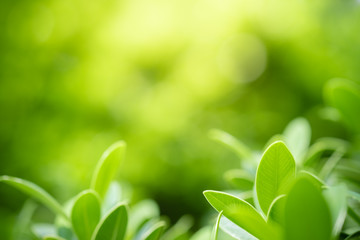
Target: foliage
[(301, 197), (307, 195), (159, 74), (91, 215)]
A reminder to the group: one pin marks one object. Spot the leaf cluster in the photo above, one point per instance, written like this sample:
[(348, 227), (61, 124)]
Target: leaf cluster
[(295, 191), (98, 213)]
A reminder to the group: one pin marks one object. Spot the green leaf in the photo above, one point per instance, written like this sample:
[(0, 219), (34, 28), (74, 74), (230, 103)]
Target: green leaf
[(240, 179), (85, 214), (140, 213), (347, 230), (64, 227), (275, 171), (297, 136), (214, 234), (143, 229), (336, 198), (240, 213), (36, 192), (65, 232), (276, 210), (43, 229), (155, 232), (354, 236), (203, 233), (247, 196), (353, 214), (113, 225), (349, 170), (21, 229), (231, 142), (307, 215), (107, 167), (345, 96), (234, 230), (179, 229), (53, 238), (112, 197), (320, 146), (331, 163), (312, 177)]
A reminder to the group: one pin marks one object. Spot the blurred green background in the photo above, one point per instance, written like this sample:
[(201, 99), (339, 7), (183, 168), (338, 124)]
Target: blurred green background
[(75, 76)]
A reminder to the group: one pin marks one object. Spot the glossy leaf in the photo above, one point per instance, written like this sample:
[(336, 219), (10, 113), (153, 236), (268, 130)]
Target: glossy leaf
[(140, 213), (234, 230), (107, 167), (85, 214), (142, 230), (203, 234), (53, 238), (312, 177), (275, 172), (240, 213), (215, 231), (247, 196), (307, 215), (113, 225), (36, 192), (155, 232), (276, 210), (297, 136), (180, 229)]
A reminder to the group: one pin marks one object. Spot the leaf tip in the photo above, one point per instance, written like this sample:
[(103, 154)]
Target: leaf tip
[(208, 192), (118, 144), (121, 144), (279, 143)]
